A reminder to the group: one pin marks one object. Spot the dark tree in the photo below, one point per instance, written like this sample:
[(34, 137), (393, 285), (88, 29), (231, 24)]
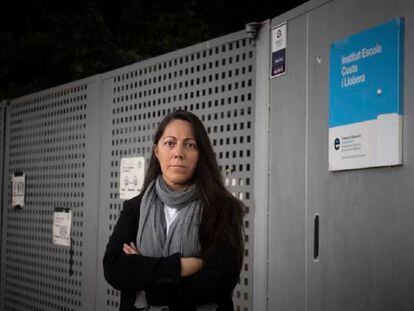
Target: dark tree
[(47, 43)]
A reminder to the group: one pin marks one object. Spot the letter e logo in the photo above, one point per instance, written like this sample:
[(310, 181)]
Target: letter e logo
[(337, 143)]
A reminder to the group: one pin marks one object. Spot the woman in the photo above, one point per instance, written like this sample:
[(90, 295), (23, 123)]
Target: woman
[(179, 244)]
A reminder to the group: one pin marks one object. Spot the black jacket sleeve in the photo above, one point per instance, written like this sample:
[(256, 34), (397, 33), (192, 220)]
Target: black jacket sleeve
[(214, 283), (136, 272)]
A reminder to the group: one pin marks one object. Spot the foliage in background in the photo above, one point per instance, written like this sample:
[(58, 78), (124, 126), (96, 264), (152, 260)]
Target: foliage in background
[(47, 43)]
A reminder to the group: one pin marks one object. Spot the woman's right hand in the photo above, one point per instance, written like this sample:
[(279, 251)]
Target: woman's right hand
[(190, 265), (130, 249)]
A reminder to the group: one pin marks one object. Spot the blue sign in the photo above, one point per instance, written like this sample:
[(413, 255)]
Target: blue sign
[(279, 62), (366, 76), (366, 70)]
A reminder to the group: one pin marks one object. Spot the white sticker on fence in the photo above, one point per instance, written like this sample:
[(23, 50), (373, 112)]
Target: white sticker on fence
[(131, 177), (18, 189), (62, 221)]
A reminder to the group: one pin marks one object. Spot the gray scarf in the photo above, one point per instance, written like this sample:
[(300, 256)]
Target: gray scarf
[(182, 236)]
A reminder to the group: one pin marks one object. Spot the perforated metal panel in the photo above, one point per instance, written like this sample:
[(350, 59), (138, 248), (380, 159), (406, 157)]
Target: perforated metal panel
[(3, 106), (2, 151), (47, 142), (69, 141), (214, 80)]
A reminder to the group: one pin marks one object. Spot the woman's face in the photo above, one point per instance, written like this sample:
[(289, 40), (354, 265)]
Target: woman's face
[(177, 152)]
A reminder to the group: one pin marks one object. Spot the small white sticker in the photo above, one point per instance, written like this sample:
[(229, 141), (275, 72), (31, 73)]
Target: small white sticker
[(18, 190), (62, 221), (279, 45), (131, 177)]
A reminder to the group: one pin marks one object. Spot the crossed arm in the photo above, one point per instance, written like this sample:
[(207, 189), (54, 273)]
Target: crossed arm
[(189, 265), (166, 280)]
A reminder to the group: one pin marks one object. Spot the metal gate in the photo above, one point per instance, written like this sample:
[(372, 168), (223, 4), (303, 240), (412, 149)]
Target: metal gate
[(69, 141)]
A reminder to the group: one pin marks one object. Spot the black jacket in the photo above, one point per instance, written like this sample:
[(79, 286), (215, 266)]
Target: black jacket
[(160, 277)]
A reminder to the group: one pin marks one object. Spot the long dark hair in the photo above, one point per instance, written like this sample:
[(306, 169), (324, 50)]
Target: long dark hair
[(222, 217)]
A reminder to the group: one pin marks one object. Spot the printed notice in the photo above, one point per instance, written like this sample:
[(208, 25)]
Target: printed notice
[(131, 177), (365, 109), (62, 221), (18, 189), (279, 43)]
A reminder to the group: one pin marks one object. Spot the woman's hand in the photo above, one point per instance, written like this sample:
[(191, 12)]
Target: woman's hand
[(130, 249), (190, 265)]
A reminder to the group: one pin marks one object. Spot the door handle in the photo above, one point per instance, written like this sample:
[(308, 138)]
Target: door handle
[(316, 237)]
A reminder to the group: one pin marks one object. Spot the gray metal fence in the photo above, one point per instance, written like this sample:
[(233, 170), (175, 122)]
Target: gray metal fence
[(69, 141), (48, 137), (215, 80)]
